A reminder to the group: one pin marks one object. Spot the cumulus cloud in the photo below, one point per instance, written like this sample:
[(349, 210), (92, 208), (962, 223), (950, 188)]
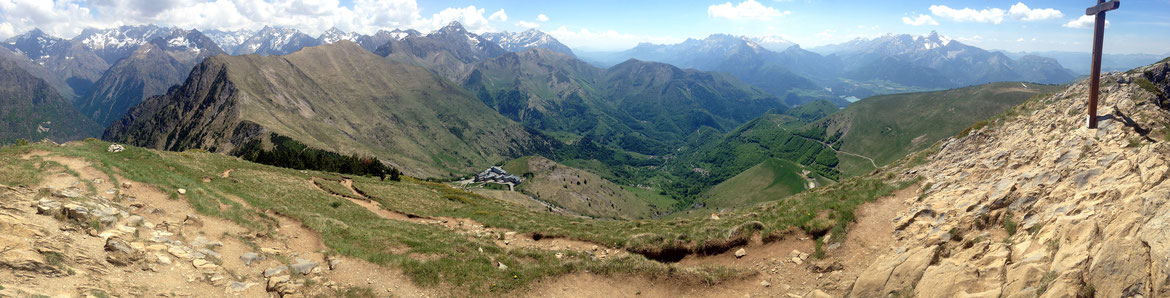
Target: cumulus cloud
[(605, 40), (542, 18), (1083, 22), (472, 19), (990, 15), (918, 21), (528, 25), (67, 18), (746, 10), (1020, 11), (499, 16)]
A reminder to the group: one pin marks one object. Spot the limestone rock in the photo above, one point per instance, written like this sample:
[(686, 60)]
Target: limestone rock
[(303, 266), (120, 253), (270, 272), (48, 207), (739, 253), (817, 294), (250, 257)]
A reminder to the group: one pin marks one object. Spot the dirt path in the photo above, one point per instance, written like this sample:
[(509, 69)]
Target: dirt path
[(868, 238), (348, 183), (842, 151)]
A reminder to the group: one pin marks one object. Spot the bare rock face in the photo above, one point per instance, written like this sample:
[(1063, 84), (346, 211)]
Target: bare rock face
[(1037, 205)]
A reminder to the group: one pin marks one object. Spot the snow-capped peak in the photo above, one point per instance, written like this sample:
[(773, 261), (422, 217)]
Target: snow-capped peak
[(531, 38), (121, 37), (229, 40), (334, 35), (770, 42), (34, 44)]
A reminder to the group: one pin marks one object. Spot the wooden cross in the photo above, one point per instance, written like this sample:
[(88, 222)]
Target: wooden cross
[(1098, 38)]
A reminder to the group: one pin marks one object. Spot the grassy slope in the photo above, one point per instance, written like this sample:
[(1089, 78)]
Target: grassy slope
[(770, 180), (583, 192), (885, 127), (349, 229)]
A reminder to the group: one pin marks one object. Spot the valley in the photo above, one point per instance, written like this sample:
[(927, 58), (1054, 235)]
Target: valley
[(471, 157)]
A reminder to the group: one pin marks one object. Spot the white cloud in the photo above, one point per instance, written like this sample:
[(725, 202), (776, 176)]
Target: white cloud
[(499, 16), (542, 18), (971, 39), (471, 18), (1083, 22), (67, 18), (746, 10), (917, 21), (528, 25), (605, 40), (991, 15), (1020, 40), (1020, 11), (826, 34)]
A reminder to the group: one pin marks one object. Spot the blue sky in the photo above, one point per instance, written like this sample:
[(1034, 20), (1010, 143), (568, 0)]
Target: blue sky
[(1140, 26)]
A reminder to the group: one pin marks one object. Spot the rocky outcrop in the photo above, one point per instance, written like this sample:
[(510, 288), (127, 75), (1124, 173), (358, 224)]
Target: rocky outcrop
[(1037, 205)]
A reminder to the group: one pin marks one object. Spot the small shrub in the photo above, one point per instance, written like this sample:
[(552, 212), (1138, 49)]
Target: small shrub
[(1086, 291), (819, 249), (1009, 224), (1035, 229), (1045, 282), (335, 205), (973, 127), (1147, 85), (1134, 143)]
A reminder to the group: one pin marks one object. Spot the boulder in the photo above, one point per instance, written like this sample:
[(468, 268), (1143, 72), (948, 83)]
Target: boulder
[(203, 264), (740, 253), (250, 257), (48, 207), (1112, 271), (115, 148), (270, 272), (303, 266), (121, 253), (817, 294), (76, 212)]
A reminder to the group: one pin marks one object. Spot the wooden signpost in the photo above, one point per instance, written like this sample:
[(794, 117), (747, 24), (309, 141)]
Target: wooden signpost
[(1098, 38)]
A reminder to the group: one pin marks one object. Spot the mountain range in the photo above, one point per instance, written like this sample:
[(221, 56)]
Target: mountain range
[(858, 68), (32, 110), (337, 97), (150, 70), (529, 39)]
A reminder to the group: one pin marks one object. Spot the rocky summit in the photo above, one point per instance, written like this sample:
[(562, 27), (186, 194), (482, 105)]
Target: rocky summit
[(1041, 205)]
